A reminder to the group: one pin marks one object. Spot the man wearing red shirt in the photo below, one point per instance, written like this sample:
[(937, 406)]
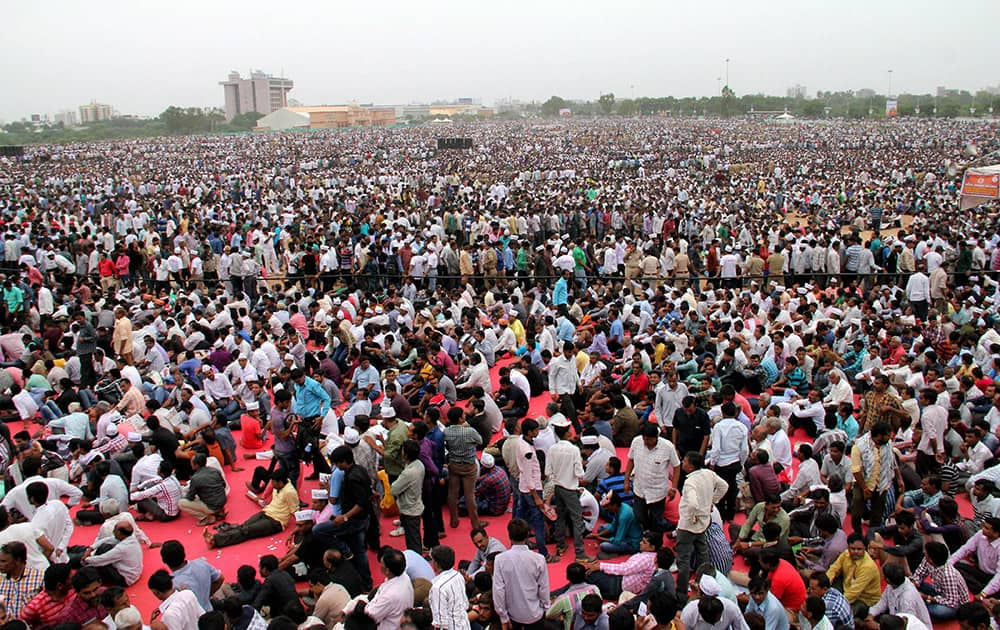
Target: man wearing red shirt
[(637, 381), (48, 606), (786, 583), (106, 269)]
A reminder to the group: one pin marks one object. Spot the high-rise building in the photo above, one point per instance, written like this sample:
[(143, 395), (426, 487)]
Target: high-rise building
[(796, 91), (95, 112), (67, 118), (261, 93)]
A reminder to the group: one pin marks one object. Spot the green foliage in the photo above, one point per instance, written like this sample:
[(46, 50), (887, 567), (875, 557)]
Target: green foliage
[(607, 103), (552, 106)]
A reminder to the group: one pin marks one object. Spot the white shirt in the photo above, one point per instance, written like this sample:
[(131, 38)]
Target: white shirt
[(180, 611), (729, 443), (449, 603), (54, 520), (781, 448), (17, 496), (651, 468), (126, 556), (564, 465), (934, 422), (391, 600), (27, 533)]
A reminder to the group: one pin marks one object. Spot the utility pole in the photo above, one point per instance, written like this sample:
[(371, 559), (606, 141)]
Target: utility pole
[(727, 71), (890, 84)]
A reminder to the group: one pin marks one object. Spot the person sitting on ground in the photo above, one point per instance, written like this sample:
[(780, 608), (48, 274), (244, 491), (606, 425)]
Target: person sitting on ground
[(268, 522)]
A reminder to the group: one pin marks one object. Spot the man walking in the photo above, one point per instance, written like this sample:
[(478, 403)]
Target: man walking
[(520, 583), (565, 467), (702, 490)]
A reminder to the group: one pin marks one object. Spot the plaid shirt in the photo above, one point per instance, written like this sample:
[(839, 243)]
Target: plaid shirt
[(838, 611), (636, 571), (946, 580), (493, 492), (462, 441), (167, 493), (17, 593), (116, 444)]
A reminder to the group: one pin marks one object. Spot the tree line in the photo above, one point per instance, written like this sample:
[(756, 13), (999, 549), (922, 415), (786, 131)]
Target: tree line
[(847, 104)]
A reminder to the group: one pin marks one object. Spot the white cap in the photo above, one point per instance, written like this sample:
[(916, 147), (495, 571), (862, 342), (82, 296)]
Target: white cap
[(351, 436), (588, 440), (386, 411), (318, 494), (253, 405), (709, 586), (112, 430), (128, 617), (304, 516), (559, 420), (134, 436), (486, 461)]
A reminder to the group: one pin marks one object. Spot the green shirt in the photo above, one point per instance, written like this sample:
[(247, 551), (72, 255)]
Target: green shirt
[(393, 457), (756, 518), (408, 488), (580, 257)]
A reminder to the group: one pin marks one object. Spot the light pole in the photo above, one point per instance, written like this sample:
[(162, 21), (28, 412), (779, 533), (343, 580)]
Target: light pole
[(727, 71), (890, 84), (719, 81)]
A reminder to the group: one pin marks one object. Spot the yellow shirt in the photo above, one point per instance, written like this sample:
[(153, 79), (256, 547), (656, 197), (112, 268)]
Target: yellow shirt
[(862, 580), (284, 503)]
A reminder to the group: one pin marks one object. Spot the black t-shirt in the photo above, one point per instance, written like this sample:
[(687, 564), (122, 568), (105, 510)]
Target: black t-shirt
[(691, 430), (356, 490), (166, 444)]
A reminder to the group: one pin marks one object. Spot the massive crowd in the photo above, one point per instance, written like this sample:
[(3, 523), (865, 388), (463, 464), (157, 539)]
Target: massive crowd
[(762, 361)]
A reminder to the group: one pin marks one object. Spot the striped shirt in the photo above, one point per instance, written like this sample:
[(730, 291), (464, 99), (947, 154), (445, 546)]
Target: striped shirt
[(17, 593), (42, 610), (448, 601)]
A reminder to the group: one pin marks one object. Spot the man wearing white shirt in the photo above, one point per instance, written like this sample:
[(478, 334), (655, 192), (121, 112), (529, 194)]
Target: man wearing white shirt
[(447, 598), (933, 424), (730, 447), (178, 610), (648, 475), (809, 414), (52, 518), (918, 292), (118, 558), (17, 496)]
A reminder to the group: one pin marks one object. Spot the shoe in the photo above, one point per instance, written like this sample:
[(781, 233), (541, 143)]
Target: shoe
[(550, 559), (399, 531), (253, 495), (585, 558), (397, 522)]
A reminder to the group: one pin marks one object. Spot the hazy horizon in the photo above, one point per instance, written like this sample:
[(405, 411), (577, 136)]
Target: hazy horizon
[(59, 55)]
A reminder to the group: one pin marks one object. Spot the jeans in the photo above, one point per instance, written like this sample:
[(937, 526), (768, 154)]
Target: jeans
[(50, 411), (411, 531), (937, 611), (649, 515), (686, 543), (727, 507), (615, 549), (464, 475), (349, 538), (567, 504), (257, 526), (527, 510)]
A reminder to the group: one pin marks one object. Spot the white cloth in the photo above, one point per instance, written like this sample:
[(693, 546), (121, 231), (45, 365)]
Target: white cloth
[(180, 611), (652, 468), (449, 603)]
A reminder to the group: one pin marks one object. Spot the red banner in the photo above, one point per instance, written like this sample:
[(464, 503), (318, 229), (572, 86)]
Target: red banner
[(981, 184)]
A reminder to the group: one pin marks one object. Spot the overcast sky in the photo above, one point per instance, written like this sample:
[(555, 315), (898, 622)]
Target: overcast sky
[(143, 56)]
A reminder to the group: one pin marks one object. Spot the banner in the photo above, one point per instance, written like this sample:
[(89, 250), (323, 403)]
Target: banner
[(891, 108), (978, 184)]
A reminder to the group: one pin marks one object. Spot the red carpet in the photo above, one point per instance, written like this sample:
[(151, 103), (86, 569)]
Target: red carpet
[(240, 508)]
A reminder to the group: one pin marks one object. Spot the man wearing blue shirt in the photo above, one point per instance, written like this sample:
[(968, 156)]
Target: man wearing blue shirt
[(560, 293), (311, 403), (765, 604), (365, 380)]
